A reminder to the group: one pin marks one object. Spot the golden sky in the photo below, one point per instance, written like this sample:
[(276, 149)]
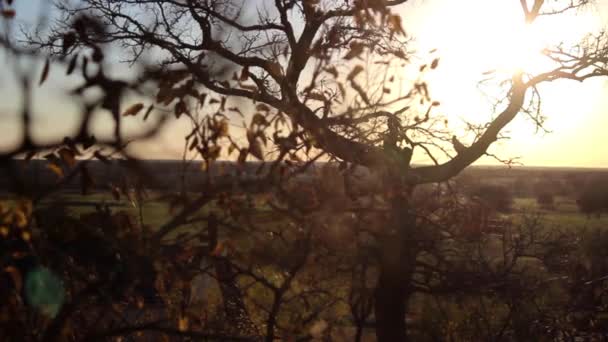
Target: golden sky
[(479, 35), (470, 37)]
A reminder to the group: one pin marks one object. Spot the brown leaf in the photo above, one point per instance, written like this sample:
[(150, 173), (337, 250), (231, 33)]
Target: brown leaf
[(244, 74), (45, 71), (395, 22), (231, 148), (356, 71), (89, 142), (9, 13), (72, 65), (355, 50), (101, 157), (236, 110), (223, 104), (133, 110), (68, 156), (262, 107), (255, 148), (259, 119), (434, 63), (180, 108), (274, 68), (30, 155), (317, 96), (249, 87), (333, 71), (56, 169), (242, 155), (148, 112), (193, 144)]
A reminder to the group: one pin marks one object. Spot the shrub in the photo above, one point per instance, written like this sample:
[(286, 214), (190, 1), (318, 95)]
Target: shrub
[(545, 200), (594, 197), (495, 196)]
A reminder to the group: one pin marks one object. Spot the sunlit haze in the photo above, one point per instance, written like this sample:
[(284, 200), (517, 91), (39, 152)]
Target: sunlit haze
[(472, 38)]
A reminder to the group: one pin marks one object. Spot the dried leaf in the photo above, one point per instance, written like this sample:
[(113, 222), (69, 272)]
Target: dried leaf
[(9, 13), (244, 74), (231, 148), (242, 155), (333, 71), (101, 157), (56, 169), (148, 112), (236, 110), (356, 70), (395, 22), (193, 144), (30, 155), (317, 96), (255, 148), (355, 50), (262, 107), (249, 87), (133, 110), (45, 71), (180, 108), (68, 156), (259, 119), (89, 142), (274, 68), (72, 65), (434, 63)]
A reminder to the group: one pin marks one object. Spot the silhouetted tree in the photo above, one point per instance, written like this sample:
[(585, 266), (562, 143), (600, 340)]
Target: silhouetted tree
[(293, 72)]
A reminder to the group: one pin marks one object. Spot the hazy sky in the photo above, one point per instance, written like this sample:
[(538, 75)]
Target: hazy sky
[(471, 37)]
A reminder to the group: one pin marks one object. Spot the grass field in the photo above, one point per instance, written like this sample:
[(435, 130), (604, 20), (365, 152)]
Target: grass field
[(155, 212)]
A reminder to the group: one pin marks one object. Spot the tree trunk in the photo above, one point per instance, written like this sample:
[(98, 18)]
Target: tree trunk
[(397, 264), (234, 305)]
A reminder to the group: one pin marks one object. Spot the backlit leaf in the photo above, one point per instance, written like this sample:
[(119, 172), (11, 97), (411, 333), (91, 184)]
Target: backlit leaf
[(133, 110), (148, 112), (56, 169), (356, 70), (45, 71), (72, 65), (67, 156)]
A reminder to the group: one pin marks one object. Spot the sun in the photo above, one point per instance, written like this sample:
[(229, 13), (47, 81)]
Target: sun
[(482, 36), (493, 35)]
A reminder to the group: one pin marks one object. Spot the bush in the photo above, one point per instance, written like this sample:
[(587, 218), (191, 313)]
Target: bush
[(594, 197), (545, 200), (495, 196)]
